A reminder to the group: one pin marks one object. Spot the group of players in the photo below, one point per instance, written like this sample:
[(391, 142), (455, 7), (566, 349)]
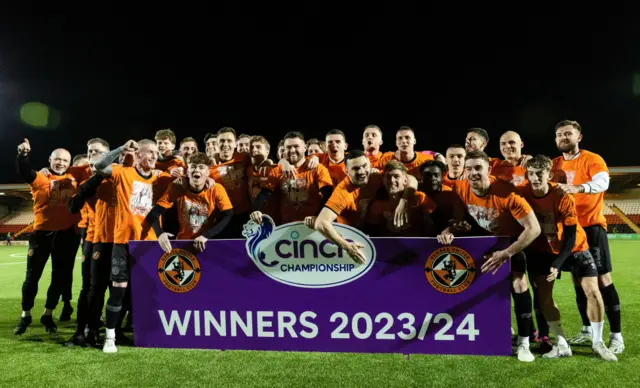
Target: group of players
[(148, 190)]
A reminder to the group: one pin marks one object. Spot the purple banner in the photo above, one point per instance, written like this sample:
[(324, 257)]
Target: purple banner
[(287, 288)]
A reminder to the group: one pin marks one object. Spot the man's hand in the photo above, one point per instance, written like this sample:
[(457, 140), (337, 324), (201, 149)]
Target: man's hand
[(312, 162), (199, 243), (525, 159), (263, 168), (24, 148), (164, 242), (310, 221), (256, 217), (353, 250), (570, 189), (130, 146), (177, 172), (288, 170), (495, 261), (446, 237), (401, 215), (45, 172), (553, 274), (209, 183), (215, 159)]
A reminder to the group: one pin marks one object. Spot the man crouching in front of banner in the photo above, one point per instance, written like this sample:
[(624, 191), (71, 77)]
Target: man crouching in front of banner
[(196, 198), (350, 202), (561, 246), (497, 209)]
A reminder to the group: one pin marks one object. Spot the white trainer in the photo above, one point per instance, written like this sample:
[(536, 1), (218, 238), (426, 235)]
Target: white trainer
[(584, 338), (110, 346), (616, 346), (558, 351), (524, 354), (601, 350)]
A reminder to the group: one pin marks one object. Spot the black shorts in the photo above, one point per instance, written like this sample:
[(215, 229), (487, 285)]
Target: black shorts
[(599, 247), (120, 263), (519, 262), (580, 264)]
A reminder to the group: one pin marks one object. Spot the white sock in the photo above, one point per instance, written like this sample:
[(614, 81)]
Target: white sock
[(523, 341), (616, 336), (558, 332), (596, 332), (111, 333), (586, 329), (26, 314)]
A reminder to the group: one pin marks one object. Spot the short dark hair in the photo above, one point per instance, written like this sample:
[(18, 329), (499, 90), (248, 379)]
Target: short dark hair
[(336, 132), (199, 158), (244, 135), (293, 135), (480, 132), (374, 127), (209, 136), (477, 155), (405, 128), (572, 123), (433, 163), (227, 130), (281, 143), (353, 155), (541, 162), (78, 157), (455, 146), (99, 141)]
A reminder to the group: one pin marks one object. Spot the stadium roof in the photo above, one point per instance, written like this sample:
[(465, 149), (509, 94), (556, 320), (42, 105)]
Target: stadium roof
[(623, 178), (13, 194)]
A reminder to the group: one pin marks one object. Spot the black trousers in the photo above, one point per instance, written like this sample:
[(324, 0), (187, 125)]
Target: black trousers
[(100, 280), (62, 246)]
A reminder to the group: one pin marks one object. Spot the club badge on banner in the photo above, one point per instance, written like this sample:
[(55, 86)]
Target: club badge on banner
[(288, 288)]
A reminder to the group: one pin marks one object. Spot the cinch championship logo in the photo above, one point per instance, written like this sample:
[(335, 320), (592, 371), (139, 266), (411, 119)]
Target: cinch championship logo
[(179, 270), (450, 270), (298, 256)]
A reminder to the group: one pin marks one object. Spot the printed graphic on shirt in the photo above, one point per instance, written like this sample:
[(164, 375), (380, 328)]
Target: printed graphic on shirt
[(60, 191), (231, 175), (195, 213), (141, 200), (487, 218), (295, 190)]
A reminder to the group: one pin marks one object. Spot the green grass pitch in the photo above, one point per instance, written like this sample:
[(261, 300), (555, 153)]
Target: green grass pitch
[(37, 359)]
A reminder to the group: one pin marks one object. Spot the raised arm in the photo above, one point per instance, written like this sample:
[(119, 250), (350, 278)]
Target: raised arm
[(324, 225)]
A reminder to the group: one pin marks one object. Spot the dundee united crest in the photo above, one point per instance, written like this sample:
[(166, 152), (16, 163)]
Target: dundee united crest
[(450, 270), (179, 270)]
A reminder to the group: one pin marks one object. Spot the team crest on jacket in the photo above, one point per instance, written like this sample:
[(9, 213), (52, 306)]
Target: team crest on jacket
[(450, 270), (179, 270)]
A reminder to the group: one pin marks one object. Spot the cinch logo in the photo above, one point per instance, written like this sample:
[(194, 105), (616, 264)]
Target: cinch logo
[(298, 256), (179, 270), (450, 270)]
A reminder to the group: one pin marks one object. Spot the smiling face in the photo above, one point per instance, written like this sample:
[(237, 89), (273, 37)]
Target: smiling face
[(359, 170), (511, 145), (147, 156), (295, 149), (59, 161), (477, 173), (227, 144)]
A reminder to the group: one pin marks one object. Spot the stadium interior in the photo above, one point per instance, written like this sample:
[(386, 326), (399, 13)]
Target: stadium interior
[(622, 209)]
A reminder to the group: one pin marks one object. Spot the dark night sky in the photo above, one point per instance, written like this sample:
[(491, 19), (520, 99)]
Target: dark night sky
[(271, 70)]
